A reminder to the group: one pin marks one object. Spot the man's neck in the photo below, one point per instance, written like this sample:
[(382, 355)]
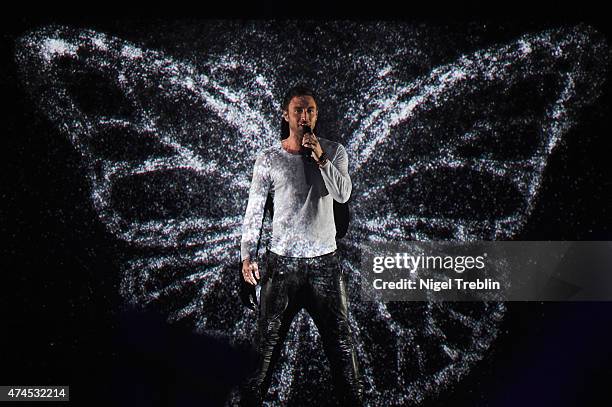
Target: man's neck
[(292, 143)]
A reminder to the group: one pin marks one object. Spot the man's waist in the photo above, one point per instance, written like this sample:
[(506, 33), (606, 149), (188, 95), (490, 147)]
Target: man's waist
[(302, 248), (270, 253)]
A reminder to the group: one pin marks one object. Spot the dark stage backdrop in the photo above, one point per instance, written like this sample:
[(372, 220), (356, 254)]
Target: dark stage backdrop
[(128, 147)]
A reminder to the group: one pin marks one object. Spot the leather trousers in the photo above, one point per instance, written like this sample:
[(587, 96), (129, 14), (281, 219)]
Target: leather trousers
[(318, 285)]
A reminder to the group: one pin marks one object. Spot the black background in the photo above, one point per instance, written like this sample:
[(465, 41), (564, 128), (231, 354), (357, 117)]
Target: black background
[(62, 321)]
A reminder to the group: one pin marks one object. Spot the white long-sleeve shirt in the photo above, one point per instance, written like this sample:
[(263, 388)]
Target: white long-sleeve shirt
[(303, 223)]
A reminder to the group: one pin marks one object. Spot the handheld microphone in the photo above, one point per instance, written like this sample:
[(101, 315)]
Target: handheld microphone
[(307, 152)]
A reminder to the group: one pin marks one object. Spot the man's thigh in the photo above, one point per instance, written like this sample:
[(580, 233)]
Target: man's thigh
[(278, 290), (327, 300)]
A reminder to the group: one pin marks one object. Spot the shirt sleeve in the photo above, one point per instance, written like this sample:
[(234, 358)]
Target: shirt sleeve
[(336, 177), (252, 223)]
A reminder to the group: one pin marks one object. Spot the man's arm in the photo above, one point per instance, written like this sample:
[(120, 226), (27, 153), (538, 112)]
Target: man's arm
[(252, 223), (336, 177)]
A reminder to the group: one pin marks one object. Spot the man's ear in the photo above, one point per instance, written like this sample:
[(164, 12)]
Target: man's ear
[(286, 116)]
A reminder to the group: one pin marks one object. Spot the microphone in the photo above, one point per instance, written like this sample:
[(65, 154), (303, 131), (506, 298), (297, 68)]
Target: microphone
[(307, 152)]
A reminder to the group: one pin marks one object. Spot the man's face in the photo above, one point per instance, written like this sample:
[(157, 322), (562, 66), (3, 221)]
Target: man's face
[(302, 111)]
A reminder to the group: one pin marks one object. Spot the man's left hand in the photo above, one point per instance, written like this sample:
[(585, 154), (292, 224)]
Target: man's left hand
[(311, 141)]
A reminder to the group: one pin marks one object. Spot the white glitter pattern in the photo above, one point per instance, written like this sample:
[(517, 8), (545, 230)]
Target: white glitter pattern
[(169, 164)]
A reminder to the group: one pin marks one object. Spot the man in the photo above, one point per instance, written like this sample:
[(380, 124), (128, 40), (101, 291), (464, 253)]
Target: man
[(304, 174)]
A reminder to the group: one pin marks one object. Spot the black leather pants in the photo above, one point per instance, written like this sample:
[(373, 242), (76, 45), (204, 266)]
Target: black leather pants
[(318, 285)]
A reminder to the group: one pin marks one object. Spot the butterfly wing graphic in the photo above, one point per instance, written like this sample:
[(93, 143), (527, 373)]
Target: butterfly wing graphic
[(465, 147), (456, 155), (168, 150)]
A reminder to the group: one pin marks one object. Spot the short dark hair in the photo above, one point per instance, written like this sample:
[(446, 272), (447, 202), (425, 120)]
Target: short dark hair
[(298, 90)]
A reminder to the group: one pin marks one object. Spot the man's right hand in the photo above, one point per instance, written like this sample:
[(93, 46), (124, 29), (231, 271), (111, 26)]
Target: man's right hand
[(250, 271)]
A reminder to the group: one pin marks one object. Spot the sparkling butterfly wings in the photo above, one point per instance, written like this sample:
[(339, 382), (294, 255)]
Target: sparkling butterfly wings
[(458, 154)]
